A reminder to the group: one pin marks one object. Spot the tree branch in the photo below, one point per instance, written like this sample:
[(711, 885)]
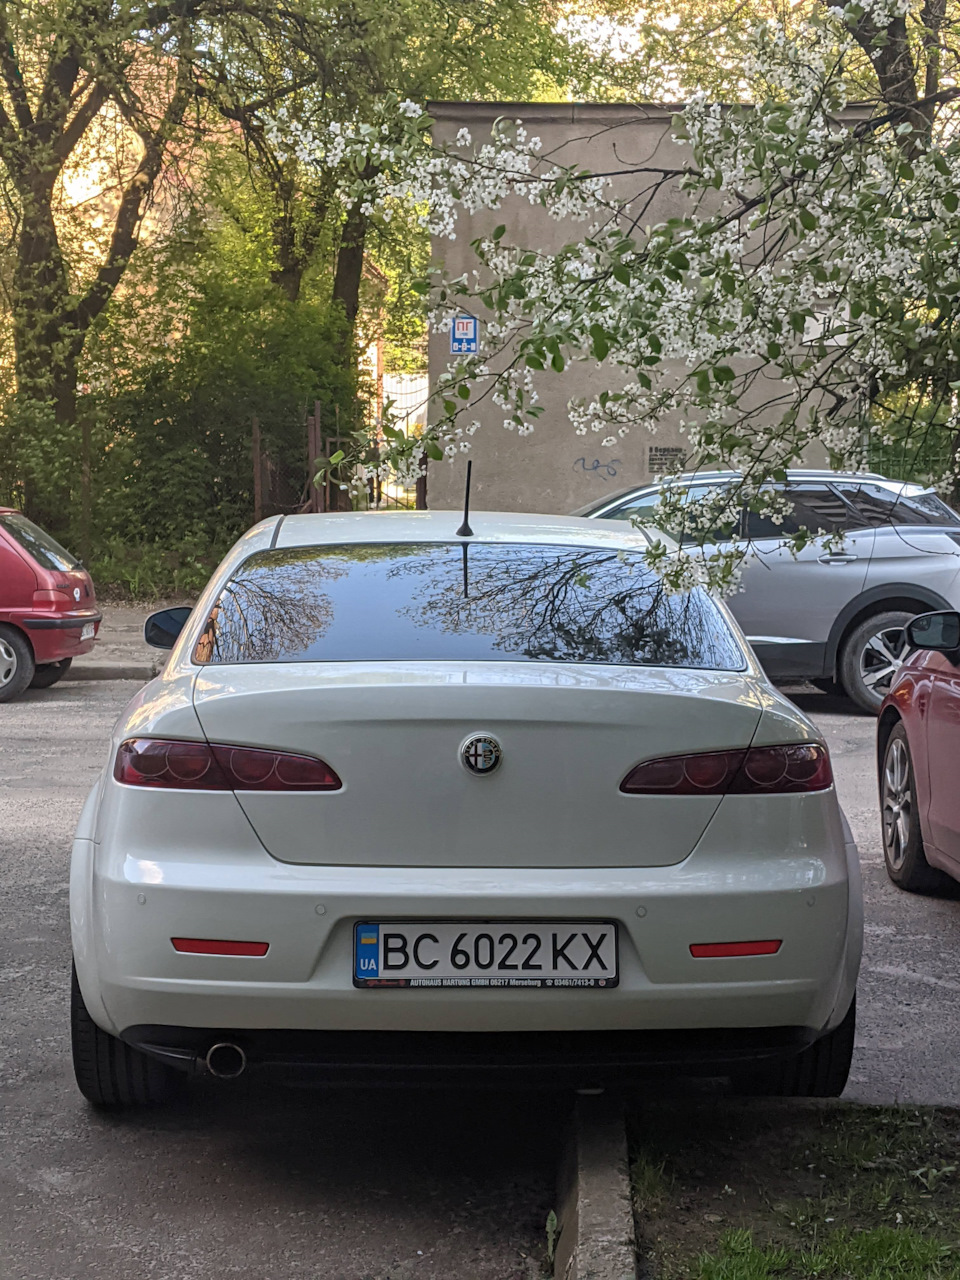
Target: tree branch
[(12, 75), (81, 121), (133, 202)]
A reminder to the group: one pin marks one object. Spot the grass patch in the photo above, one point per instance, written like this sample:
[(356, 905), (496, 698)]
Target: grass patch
[(776, 1191)]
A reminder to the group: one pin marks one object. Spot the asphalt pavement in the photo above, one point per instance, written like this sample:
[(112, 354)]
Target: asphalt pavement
[(342, 1185)]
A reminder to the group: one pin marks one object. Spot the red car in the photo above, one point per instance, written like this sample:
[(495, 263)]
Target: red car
[(48, 610), (918, 750)]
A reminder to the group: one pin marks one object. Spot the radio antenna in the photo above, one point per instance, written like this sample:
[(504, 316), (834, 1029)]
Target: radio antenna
[(465, 531)]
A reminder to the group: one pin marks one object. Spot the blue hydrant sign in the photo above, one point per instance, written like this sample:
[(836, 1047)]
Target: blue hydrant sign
[(464, 332)]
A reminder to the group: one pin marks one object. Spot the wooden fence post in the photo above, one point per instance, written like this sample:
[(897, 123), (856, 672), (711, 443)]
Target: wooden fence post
[(315, 493)]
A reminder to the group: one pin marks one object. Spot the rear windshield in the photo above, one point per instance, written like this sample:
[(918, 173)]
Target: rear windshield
[(879, 505), (47, 552), (467, 602)]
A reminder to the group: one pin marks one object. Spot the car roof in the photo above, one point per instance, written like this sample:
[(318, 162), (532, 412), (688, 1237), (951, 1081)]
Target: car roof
[(688, 478), (442, 526)]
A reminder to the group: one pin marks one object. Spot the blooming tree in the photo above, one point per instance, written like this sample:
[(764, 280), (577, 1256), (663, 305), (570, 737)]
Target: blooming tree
[(811, 289)]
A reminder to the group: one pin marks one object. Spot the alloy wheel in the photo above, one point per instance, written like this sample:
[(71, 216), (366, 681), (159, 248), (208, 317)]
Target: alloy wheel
[(882, 657), (8, 663), (896, 803)]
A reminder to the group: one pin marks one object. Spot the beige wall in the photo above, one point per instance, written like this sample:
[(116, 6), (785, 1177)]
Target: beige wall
[(555, 470)]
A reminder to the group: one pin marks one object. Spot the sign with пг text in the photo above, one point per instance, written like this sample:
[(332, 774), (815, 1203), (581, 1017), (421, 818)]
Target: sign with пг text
[(464, 335)]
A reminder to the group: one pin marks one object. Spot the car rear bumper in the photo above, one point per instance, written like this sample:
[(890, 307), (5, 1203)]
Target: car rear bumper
[(56, 636), (742, 882), (439, 1057)]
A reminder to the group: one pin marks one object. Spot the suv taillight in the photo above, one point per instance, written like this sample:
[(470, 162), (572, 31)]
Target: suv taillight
[(202, 766), (756, 771)]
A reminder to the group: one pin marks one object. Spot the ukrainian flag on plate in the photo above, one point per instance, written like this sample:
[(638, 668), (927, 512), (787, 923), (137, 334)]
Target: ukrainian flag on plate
[(367, 951)]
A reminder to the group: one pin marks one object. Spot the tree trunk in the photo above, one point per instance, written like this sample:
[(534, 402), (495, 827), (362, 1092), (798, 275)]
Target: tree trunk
[(47, 348), (287, 275), (349, 273)]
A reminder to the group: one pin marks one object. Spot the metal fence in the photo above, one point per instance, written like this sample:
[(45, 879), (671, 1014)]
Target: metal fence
[(291, 486)]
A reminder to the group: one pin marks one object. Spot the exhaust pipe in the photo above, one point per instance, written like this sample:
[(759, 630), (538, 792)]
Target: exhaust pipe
[(226, 1061)]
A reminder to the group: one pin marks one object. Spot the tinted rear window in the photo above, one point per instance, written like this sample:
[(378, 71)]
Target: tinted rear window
[(47, 552), (878, 505), (467, 602)]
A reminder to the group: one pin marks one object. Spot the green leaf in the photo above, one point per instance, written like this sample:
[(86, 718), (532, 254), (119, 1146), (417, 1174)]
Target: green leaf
[(774, 349), (703, 382), (433, 450), (463, 391), (499, 232), (533, 362), (557, 362), (808, 220), (678, 259), (798, 321), (951, 201), (728, 284), (601, 348), (621, 273), (723, 373), (808, 162), (337, 457), (450, 406)]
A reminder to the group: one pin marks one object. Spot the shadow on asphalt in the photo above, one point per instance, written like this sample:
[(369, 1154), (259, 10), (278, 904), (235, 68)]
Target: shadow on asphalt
[(814, 702), (364, 1184)]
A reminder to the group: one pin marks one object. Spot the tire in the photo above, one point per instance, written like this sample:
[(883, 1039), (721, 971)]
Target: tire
[(16, 663), (903, 852), (871, 657), (109, 1073), (819, 1071), (48, 673)]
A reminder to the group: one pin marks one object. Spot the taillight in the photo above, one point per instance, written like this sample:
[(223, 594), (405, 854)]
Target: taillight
[(757, 771), (202, 766)]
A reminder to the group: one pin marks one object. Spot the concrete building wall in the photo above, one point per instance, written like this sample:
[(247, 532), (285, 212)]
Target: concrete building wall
[(555, 470)]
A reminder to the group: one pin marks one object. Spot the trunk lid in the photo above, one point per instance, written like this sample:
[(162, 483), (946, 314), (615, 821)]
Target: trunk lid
[(394, 731)]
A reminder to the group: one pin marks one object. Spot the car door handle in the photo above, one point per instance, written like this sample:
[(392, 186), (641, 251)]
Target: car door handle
[(837, 559)]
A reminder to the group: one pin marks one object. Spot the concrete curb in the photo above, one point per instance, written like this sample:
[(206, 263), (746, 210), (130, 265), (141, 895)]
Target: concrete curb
[(595, 1213), (112, 671)]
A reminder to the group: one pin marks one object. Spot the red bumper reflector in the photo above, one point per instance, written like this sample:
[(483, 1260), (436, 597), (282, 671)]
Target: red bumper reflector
[(714, 950), (215, 947)]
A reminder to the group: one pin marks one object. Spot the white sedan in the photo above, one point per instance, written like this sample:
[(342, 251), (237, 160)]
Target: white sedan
[(407, 802)]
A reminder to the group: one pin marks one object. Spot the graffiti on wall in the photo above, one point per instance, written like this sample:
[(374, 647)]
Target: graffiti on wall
[(597, 467)]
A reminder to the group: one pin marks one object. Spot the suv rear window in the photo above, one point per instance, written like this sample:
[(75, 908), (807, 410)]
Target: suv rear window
[(879, 504), (47, 552), (469, 602)]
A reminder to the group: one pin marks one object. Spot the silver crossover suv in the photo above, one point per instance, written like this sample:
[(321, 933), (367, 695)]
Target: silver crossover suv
[(831, 616)]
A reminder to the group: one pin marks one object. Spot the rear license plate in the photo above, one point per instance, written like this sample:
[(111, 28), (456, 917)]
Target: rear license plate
[(86, 632), (486, 953)]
